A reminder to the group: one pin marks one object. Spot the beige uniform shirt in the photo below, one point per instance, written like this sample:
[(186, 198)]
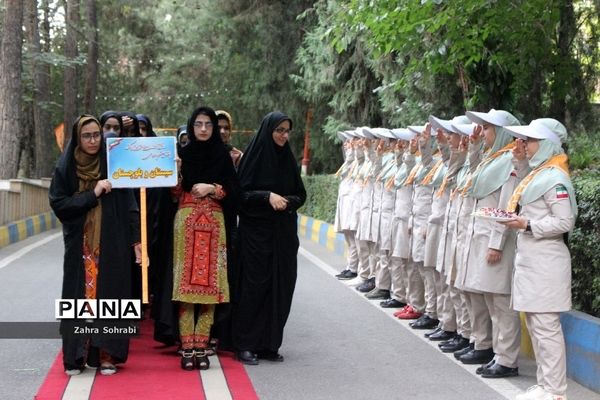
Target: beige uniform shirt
[(401, 216), (542, 278), (484, 234)]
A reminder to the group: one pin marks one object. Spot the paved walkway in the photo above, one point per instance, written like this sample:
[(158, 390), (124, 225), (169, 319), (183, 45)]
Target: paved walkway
[(338, 345)]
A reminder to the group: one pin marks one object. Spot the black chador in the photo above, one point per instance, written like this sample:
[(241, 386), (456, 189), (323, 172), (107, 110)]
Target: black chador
[(268, 241)]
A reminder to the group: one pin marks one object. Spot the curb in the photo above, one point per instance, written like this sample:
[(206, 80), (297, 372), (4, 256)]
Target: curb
[(321, 232), (581, 331), (24, 228)]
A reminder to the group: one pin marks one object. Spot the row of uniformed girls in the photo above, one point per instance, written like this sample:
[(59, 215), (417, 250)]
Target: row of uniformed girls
[(406, 207)]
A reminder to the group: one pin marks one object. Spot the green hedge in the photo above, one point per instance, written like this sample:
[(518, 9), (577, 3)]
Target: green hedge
[(584, 241), (321, 197)]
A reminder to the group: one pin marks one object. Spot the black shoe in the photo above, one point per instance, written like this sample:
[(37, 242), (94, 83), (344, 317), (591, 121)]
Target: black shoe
[(392, 303), (480, 369), (366, 286), (346, 275), (201, 359), (458, 343), (425, 322), (433, 332), (269, 356), (187, 360), (442, 335), (499, 371), (378, 294), (477, 357), (459, 353), (247, 357)]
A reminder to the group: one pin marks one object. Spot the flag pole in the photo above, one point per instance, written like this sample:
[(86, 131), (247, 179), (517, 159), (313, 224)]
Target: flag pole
[(144, 233)]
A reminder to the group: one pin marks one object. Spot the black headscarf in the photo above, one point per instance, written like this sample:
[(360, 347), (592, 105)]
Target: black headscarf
[(146, 120), (135, 127), (267, 166), (111, 114), (205, 161), (119, 222)]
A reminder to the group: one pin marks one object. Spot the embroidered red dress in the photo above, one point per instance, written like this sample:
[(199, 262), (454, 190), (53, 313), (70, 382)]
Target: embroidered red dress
[(200, 251)]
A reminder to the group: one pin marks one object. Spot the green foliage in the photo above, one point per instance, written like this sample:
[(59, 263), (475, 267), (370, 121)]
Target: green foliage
[(527, 56), (583, 243), (321, 197), (584, 151), (340, 86), (352, 62)]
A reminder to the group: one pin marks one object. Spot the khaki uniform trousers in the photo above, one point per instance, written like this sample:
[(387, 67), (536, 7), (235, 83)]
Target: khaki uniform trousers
[(549, 349), (481, 322), (430, 295), (352, 248), (367, 259), (461, 311), (445, 308), (399, 277), (506, 329), (383, 277), (416, 287)]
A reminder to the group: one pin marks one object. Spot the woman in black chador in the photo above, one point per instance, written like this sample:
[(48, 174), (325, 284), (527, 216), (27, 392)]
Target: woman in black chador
[(272, 191), (100, 231)]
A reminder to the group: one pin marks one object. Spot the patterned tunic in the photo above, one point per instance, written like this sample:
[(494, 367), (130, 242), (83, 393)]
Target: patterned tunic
[(200, 252)]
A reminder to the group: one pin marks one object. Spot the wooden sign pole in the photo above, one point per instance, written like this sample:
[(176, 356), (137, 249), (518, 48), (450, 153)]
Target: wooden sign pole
[(144, 233)]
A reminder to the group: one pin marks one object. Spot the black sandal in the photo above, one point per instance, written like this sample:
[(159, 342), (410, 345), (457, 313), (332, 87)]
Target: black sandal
[(187, 360), (202, 361), (211, 350)]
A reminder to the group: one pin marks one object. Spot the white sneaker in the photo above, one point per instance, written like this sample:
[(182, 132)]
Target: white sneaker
[(108, 369), (72, 372), (550, 396), (535, 392)]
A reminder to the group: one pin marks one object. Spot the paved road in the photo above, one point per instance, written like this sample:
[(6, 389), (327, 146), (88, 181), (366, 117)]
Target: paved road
[(28, 287), (340, 345), (337, 344)]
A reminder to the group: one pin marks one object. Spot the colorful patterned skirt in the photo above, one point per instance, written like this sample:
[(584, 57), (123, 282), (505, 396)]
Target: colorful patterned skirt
[(200, 252)]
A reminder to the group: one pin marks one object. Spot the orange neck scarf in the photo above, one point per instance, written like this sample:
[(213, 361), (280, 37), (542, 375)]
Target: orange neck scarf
[(558, 161)]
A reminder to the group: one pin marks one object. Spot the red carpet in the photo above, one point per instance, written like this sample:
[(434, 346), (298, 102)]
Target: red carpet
[(55, 383), (151, 372)]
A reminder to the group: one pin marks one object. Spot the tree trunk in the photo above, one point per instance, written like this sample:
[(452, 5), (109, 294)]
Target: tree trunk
[(10, 88), (70, 74), (26, 144), (42, 130), (91, 76), (565, 66)]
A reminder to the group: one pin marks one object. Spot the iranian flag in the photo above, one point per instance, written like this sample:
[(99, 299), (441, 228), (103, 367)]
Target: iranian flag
[(561, 193)]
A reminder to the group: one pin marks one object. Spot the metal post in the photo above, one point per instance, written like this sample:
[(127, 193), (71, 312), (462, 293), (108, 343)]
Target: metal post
[(306, 158)]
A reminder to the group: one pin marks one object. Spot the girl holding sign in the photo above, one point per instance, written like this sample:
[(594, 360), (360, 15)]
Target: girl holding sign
[(92, 214)]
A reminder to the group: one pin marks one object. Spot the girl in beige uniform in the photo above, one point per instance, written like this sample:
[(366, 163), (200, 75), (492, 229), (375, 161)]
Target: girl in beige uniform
[(344, 205), (490, 253), (407, 147), (542, 277)]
